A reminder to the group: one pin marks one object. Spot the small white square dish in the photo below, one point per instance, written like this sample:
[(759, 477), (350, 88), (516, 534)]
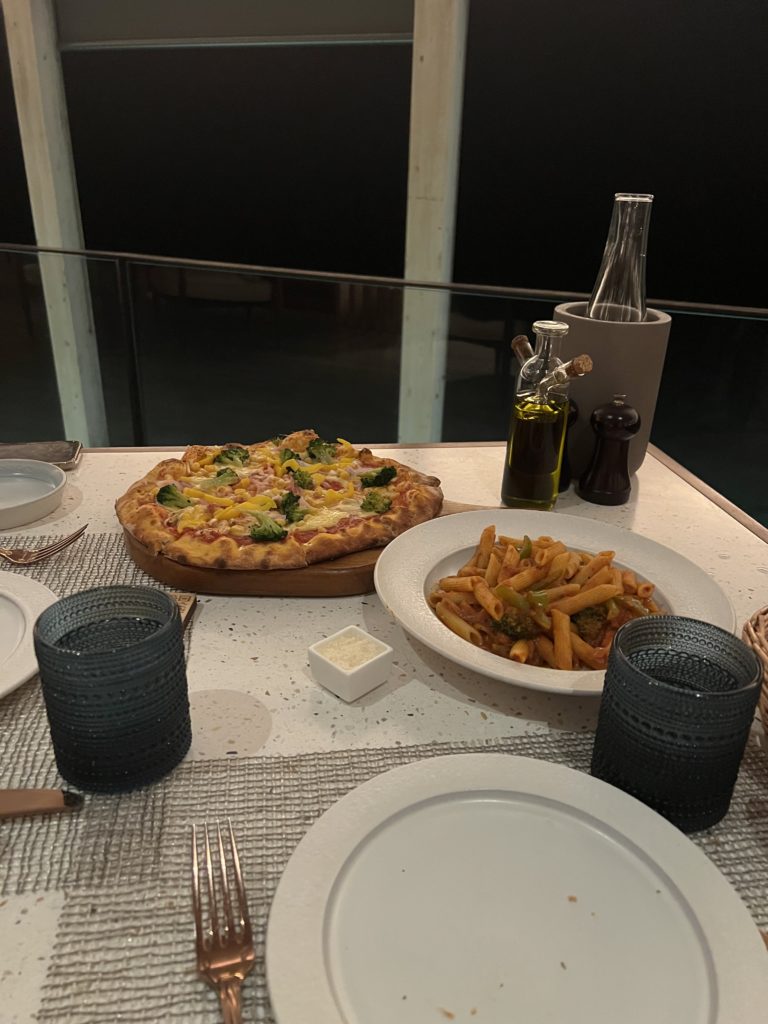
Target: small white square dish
[(29, 490), (350, 662)]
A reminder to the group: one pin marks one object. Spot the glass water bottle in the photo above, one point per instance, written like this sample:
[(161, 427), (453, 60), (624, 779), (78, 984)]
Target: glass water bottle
[(537, 430), (619, 292)]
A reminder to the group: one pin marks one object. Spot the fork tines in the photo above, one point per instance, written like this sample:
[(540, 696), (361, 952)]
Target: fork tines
[(228, 920), (30, 556)]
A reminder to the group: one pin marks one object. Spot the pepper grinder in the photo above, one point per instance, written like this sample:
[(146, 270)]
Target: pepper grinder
[(606, 480)]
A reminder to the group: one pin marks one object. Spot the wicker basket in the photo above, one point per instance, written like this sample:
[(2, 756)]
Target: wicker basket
[(755, 634)]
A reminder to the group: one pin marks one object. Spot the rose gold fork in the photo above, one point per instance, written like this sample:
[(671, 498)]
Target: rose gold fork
[(29, 556), (225, 952)]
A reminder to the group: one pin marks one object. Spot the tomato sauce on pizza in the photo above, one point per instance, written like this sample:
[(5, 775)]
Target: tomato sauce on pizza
[(284, 503)]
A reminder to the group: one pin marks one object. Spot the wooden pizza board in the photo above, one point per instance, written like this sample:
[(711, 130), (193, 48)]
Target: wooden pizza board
[(350, 574)]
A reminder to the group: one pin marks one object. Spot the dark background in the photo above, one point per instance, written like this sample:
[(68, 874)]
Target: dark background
[(297, 156)]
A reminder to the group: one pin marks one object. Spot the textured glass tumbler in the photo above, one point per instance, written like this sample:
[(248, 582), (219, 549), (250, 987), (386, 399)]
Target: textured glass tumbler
[(677, 707), (115, 686)]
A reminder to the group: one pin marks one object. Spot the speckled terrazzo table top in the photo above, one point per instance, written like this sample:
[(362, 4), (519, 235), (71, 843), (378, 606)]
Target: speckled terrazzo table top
[(248, 674)]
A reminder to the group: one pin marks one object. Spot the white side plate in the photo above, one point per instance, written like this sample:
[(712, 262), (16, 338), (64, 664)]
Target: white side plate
[(409, 566), (493, 888), (21, 601), (29, 490)]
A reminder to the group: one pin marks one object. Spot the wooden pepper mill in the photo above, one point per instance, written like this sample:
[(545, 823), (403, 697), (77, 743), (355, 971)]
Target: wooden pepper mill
[(606, 480)]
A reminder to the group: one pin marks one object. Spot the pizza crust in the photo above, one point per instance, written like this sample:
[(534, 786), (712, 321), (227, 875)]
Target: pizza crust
[(416, 498)]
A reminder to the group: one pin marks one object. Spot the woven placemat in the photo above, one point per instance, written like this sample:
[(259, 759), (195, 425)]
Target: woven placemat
[(95, 560), (125, 944)]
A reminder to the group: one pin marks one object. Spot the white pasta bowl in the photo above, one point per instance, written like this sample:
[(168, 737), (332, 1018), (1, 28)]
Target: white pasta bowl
[(411, 564)]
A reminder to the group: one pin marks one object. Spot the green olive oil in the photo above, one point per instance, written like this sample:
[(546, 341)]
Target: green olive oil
[(534, 451)]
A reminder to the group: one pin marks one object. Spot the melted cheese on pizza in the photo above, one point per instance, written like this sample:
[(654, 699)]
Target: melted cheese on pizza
[(297, 490)]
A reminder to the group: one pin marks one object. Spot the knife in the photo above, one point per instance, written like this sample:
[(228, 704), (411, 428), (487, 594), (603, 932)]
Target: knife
[(18, 803)]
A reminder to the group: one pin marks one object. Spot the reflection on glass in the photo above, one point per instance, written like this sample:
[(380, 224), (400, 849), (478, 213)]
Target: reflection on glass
[(194, 353)]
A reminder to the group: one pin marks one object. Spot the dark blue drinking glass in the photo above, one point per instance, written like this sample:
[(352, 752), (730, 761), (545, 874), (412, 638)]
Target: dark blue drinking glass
[(115, 686), (677, 708)]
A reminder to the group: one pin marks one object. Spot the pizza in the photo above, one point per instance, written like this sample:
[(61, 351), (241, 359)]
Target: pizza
[(279, 504)]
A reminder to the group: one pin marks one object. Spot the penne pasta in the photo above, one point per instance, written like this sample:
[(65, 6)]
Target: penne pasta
[(521, 651), (594, 657), (458, 582), (457, 597), (492, 572), (561, 639), (546, 650), (604, 575), (591, 567), (488, 600), (586, 599), (487, 540), (572, 566), (454, 622), (509, 562), (629, 582), (537, 602), (545, 555), (524, 579)]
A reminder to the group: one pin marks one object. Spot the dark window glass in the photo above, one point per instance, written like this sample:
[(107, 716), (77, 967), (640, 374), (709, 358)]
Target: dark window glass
[(566, 104), (284, 156)]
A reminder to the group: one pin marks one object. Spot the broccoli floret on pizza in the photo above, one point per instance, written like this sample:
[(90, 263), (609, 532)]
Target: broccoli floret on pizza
[(379, 477), (376, 501), (303, 479), (289, 506), (266, 528), (171, 497), (234, 455), (321, 451), (223, 478)]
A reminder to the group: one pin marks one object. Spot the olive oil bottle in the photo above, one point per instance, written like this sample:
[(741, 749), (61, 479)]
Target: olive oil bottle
[(534, 452), (539, 419)]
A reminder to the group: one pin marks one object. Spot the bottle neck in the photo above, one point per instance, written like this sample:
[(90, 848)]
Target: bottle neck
[(619, 292), (547, 347), (545, 359)]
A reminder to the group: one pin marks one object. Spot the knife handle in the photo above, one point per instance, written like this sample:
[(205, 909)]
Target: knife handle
[(19, 803)]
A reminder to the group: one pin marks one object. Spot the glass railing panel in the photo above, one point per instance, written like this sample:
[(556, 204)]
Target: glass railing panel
[(235, 354), (481, 368), (229, 355), (29, 400), (712, 410), (197, 352), (35, 388)]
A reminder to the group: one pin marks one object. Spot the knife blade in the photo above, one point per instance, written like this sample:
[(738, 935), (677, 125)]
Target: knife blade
[(19, 803)]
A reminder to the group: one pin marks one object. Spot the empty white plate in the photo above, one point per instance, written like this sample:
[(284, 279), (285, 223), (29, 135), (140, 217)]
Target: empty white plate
[(21, 601), (29, 490), (493, 888)]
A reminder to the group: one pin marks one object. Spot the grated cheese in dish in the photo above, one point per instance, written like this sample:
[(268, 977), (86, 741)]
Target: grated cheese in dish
[(350, 650)]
